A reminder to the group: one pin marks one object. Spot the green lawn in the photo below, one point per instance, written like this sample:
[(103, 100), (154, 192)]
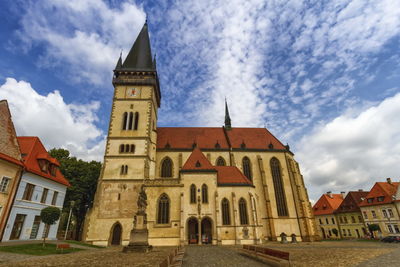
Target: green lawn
[(82, 244), (36, 249)]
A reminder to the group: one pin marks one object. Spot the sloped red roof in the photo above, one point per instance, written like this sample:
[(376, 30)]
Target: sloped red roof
[(327, 205), (351, 201), (32, 149), (380, 189), (215, 137), (226, 175), (197, 161)]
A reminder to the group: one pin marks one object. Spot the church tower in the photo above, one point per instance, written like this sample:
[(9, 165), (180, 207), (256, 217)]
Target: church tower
[(131, 143)]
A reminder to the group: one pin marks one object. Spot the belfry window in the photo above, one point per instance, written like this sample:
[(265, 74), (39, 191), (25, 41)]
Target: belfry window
[(226, 219), (278, 187), (166, 168), (247, 168), (126, 148), (136, 120), (192, 194), (124, 169), (130, 121), (163, 209), (243, 212), (204, 193), (124, 121), (221, 161)]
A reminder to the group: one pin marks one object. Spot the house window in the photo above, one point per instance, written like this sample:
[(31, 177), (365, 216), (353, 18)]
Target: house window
[(390, 228), (226, 219), (390, 213), (320, 221), (44, 195), (384, 213), (353, 220), (247, 168), (54, 200), (360, 220), (278, 187), (166, 168), (333, 221), (373, 214), (35, 227), (29, 188), (348, 230), (327, 221), (204, 193), (341, 219), (345, 219), (4, 184), (396, 228), (344, 232), (163, 209), (365, 215), (243, 212), (221, 161), (192, 194), (380, 199)]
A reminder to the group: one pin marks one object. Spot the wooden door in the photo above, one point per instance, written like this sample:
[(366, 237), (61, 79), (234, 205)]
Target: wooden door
[(116, 235)]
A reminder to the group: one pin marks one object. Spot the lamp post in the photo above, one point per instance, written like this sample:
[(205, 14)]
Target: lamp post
[(71, 205)]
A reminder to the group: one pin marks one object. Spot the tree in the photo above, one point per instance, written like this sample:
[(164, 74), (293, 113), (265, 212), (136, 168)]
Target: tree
[(83, 177), (49, 216), (372, 228)]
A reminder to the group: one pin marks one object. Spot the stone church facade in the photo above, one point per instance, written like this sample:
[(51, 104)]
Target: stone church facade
[(205, 185)]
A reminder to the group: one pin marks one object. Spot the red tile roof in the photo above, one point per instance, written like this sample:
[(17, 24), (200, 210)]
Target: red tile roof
[(215, 137), (380, 189), (351, 201), (32, 149), (327, 205), (226, 175)]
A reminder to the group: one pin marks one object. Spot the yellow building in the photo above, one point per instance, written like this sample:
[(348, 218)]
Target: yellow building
[(221, 185), (348, 214), (323, 209), (380, 207), (11, 166)]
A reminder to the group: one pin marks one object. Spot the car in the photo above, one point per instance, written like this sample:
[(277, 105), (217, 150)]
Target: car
[(391, 239)]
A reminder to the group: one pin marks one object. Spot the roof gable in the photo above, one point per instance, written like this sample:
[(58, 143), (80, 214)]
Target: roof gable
[(381, 193), (351, 201), (32, 149), (197, 161), (327, 205)]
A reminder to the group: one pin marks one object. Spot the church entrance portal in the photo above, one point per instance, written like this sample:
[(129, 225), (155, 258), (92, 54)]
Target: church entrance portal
[(193, 231), (116, 235), (206, 231)]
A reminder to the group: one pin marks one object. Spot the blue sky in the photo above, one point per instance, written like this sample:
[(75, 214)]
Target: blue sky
[(323, 76)]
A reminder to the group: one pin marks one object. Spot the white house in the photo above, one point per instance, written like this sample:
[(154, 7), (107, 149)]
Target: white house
[(42, 185)]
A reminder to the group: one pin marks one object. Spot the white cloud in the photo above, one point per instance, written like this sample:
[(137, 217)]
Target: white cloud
[(84, 37), (354, 150), (56, 123)]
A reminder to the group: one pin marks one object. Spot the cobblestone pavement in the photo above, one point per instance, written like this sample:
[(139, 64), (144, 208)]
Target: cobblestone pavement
[(216, 256), (389, 260)]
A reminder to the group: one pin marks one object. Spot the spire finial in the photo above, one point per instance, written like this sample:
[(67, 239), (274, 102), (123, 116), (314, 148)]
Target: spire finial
[(228, 125)]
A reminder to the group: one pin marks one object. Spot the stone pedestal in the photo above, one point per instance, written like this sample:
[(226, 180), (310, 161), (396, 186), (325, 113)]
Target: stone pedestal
[(139, 239)]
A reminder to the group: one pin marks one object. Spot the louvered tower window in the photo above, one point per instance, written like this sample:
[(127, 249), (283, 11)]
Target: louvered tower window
[(278, 187)]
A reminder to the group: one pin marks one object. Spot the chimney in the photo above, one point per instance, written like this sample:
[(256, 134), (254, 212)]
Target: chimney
[(329, 193), (343, 194), (360, 190), (389, 180)]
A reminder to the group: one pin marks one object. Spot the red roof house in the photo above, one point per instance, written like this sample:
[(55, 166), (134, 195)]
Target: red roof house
[(327, 204), (381, 193)]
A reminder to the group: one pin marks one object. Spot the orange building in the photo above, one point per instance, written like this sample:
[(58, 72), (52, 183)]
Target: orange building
[(324, 209)]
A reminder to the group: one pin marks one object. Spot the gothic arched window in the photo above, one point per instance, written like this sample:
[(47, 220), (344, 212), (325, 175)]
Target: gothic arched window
[(166, 168), (124, 120), (278, 187), (221, 161), (121, 148), (204, 193), (247, 168), (127, 148), (163, 209), (226, 218), (132, 149), (136, 120), (192, 193), (244, 219), (124, 169)]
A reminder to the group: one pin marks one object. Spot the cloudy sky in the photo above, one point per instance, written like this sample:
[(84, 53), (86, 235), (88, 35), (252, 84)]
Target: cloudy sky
[(323, 76)]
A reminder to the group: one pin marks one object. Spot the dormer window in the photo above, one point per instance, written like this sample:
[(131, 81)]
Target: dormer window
[(380, 199), (370, 200), (53, 169), (43, 164)]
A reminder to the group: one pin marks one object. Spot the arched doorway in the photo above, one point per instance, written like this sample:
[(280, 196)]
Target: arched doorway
[(193, 231), (116, 234), (206, 231)]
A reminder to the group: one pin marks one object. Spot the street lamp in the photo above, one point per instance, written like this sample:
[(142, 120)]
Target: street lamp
[(71, 205)]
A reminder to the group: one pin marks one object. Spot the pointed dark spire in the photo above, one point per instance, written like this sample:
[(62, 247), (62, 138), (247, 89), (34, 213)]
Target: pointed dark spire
[(228, 125), (119, 63), (139, 57)]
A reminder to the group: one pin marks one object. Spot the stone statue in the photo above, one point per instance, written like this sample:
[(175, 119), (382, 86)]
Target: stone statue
[(142, 201)]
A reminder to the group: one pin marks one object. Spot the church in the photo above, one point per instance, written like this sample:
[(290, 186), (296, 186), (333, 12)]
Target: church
[(204, 185)]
